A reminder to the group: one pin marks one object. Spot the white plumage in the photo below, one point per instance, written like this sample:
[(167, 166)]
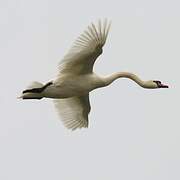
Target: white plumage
[(79, 61), (74, 111), (82, 55), (75, 79)]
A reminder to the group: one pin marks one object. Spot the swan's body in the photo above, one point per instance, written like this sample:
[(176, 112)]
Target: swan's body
[(73, 86), (70, 90)]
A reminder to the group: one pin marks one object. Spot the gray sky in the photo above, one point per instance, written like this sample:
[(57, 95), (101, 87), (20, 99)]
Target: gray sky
[(134, 132)]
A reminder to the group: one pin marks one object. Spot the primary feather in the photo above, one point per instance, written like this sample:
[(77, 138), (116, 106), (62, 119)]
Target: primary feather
[(85, 50), (80, 60), (74, 111)]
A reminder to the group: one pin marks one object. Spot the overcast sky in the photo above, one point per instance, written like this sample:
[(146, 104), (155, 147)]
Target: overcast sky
[(133, 133)]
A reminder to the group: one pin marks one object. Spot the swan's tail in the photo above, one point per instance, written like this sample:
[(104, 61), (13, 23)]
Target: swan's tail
[(35, 84), (33, 91)]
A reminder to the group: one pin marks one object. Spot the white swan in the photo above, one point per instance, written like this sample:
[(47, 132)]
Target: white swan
[(70, 90)]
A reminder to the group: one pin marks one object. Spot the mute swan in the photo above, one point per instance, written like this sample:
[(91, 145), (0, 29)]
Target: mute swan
[(70, 90)]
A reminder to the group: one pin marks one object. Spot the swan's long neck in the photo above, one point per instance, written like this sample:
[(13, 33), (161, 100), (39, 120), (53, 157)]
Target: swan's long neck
[(108, 80)]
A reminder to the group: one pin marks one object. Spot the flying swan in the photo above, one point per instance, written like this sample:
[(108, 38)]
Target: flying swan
[(75, 79)]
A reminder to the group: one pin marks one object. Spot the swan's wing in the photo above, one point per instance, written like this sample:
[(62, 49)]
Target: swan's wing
[(81, 57), (74, 111)]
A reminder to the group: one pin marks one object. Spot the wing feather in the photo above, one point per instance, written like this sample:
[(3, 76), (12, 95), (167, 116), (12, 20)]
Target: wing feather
[(85, 50), (74, 111)]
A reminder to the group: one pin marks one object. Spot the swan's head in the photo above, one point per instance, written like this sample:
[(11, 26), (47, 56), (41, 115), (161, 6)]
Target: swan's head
[(155, 84), (160, 85)]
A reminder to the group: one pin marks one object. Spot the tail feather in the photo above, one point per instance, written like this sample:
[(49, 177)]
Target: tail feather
[(35, 84), (34, 87), (33, 91)]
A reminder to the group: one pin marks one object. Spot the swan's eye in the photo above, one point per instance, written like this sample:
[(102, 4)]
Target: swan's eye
[(157, 82)]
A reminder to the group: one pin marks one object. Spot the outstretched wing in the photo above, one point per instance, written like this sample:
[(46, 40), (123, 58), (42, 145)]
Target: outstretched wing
[(81, 57), (74, 111)]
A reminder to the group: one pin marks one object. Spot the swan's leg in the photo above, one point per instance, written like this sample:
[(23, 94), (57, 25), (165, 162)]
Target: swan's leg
[(34, 90), (37, 90), (32, 98)]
